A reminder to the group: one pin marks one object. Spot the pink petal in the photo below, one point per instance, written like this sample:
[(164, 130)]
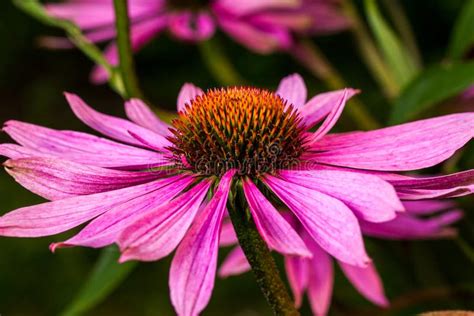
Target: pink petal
[(329, 222), (319, 106), (273, 228), (293, 20), (157, 233), (453, 185), (410, 146), (55, 179), (58, 216), (191, 26), (138, 112), (370, 197), (14, 151), (367, 281), (327, 16), (293, 89), (234, 264), (407, 226), (193, 268), (114, 127), (105, 229), (427, 207), (263, 41), (75, 146), (187, 94), (244, 7), (321, 280), (297, 271), (333, 116), (94, 14), (228, 236), (99, 74)]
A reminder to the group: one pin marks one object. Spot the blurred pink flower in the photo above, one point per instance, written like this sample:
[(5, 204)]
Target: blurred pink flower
[(156, 188), (262, 26), (316, 275)]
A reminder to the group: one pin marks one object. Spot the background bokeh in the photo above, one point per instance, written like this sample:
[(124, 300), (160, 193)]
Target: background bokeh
[(418, 275)]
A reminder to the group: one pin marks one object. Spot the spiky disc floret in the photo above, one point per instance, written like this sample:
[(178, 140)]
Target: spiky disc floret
[(251, 130)]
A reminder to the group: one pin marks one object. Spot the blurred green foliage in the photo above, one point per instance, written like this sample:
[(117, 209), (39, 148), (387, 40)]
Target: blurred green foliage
[(418, 276)]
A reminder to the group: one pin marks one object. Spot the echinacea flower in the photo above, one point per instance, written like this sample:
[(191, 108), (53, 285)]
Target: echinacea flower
[(154, 188), (315, 275), (262, 26)]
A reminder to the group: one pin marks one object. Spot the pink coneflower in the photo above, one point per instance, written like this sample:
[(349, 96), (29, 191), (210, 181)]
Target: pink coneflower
[(316, 275), (262, 26), (152, 189)]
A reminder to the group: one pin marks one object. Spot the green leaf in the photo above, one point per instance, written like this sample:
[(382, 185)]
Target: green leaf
[(430, 87), (401, 63), (107, 275), (462, 37)]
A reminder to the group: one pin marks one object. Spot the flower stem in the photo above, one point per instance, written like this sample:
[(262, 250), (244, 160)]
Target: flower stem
[(127, 66), (314, 60), (261, 260), (218, 64), (369, 52)]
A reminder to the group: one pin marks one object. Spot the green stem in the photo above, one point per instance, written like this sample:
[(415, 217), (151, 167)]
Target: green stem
[(218, 64), (127, 66), (314, 60), (401, 22), (369, 52), (261, 260)]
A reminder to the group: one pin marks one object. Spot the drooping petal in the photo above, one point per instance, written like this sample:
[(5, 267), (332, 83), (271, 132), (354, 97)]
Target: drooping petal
[(297, 271), (367, 281), (293, 89), (55, 179), (319, 106), (114, 127), (138, 112), (321, 280), (263, 41), (234, 264), (193, 268), (329, 222), (428, 207), (58, 216), (187, 93), (157, 233), (244, 7), (409, 146), (370, 197), (274, 229), (453, 185), (105, 229), (191, 26), (333, 116), (75, 146), (407, 226), (14, 151)]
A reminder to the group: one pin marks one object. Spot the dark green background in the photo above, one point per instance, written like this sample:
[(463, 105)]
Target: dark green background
[(35, 282)]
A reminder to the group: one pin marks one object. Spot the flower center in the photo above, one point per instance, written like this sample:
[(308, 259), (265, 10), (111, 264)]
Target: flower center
[(251, 130)]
